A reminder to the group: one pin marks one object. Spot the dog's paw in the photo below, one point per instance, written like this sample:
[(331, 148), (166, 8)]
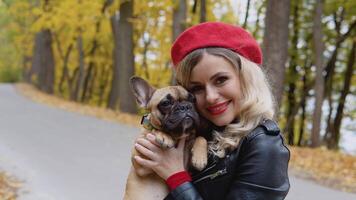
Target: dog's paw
[(164, 141), (200, 153), (199, 162)]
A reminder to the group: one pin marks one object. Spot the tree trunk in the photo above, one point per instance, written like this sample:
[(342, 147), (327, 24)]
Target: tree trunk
[(292, 76), (43, 61), (194, 8), (302, 117), (305, 91), (65, 70), (330, 67), (91, 86), (202, 11), (81, 68), (257, 24), (335, 137), (26, 73), (275, 45), (319, 79), (90, 76), (179, 25), (246, 15), (179, 18), (146, 44), (125, 58), (104, 80), (114, 91)]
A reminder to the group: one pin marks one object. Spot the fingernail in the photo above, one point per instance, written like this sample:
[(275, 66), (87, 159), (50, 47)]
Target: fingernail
[(150, 136)]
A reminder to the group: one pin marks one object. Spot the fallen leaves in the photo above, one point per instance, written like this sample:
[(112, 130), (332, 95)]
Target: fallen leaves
[(8, 187), (106, 114), (327, 167)]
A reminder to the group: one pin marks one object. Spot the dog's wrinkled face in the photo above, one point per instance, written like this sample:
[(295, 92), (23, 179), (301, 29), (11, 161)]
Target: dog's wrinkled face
[(172, 108), (177, 114)]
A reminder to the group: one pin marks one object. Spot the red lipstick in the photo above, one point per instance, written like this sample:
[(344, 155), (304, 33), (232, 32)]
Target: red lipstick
[(219, 108)]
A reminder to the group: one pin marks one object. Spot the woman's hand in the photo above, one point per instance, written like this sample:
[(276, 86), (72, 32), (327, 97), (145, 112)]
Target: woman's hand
[(165, 162)]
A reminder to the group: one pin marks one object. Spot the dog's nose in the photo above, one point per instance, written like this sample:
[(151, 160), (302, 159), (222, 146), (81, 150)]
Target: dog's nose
[(184, 107)]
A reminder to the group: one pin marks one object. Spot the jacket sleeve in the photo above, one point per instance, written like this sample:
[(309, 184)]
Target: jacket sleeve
[(263, 170), (185, 191)]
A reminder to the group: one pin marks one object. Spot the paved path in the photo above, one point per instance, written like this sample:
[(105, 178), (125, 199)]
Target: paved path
[(68, 156)]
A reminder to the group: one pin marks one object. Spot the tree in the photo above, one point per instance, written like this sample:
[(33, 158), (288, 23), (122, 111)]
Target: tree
[(43, 61), (124, 60), (319, 79), (202, 11), (179, 18), (275, 45), (246, 14), (292, 75), (81, 68), (89, 78), (179, 24), (333, 141)]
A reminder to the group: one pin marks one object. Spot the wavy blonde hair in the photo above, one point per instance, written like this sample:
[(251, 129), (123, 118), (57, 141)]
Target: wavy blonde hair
[(255, 105)]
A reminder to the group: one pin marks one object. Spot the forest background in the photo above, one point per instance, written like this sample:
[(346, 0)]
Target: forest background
[(85, 51)]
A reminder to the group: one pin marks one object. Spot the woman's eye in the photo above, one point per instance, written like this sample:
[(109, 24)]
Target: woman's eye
[(196, 89), (221, 80)]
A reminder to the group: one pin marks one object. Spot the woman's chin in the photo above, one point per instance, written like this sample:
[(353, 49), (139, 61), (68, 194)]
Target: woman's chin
[(220, 122)]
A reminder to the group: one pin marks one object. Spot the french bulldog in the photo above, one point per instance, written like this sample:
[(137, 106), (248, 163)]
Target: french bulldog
[(172, 116)]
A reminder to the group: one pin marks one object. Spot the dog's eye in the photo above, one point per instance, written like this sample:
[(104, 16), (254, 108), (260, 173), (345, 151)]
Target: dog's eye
[(166, 103)]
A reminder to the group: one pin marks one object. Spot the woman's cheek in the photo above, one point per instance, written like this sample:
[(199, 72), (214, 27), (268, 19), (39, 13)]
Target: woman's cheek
[(200, 105)]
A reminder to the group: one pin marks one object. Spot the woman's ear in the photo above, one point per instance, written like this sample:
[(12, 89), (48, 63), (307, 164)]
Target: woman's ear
[(142, 90)]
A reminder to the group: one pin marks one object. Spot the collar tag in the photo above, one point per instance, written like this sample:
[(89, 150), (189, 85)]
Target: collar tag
[(146, 123)]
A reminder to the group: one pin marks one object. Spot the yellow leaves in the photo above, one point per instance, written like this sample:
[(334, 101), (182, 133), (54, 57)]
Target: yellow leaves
[(153, 22), (328, 167), (8, 187), (68, 13)]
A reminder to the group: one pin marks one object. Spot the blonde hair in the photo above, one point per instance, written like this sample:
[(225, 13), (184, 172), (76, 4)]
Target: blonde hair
[(256, 103)]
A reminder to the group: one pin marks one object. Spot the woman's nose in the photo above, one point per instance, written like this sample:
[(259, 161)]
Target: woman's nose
[(211, 95)]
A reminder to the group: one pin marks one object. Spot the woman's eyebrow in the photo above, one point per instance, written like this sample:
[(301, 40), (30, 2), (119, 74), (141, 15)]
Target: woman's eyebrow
[(218, 74), (211, 78)]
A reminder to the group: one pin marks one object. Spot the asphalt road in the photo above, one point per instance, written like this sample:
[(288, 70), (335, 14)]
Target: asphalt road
[(68, 156)]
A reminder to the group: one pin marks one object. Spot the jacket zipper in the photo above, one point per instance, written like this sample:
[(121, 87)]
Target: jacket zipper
[(206, 169), (212, 176)]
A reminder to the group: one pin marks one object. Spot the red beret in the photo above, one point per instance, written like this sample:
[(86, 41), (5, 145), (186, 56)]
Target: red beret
[(216, 34)]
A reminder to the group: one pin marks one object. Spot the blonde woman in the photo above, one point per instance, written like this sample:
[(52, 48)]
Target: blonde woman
[(221, 65)]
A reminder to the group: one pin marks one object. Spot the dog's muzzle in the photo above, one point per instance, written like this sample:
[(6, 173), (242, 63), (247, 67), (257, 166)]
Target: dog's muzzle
[(181, 120)]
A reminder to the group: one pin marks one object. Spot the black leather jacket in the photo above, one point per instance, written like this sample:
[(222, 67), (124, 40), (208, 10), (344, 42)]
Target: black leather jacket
[(256, 170)]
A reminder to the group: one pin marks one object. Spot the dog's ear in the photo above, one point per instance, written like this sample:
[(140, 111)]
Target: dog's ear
[(142, 90)]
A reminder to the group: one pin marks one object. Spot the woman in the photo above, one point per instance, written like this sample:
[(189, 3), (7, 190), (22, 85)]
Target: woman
[(219, 64)]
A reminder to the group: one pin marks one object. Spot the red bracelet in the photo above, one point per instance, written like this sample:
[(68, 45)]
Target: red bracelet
[(177, 179)]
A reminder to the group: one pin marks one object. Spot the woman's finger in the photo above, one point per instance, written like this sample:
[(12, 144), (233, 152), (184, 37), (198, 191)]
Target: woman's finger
[(148, 144), (144, 162), (152, 139), (144, 151)]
